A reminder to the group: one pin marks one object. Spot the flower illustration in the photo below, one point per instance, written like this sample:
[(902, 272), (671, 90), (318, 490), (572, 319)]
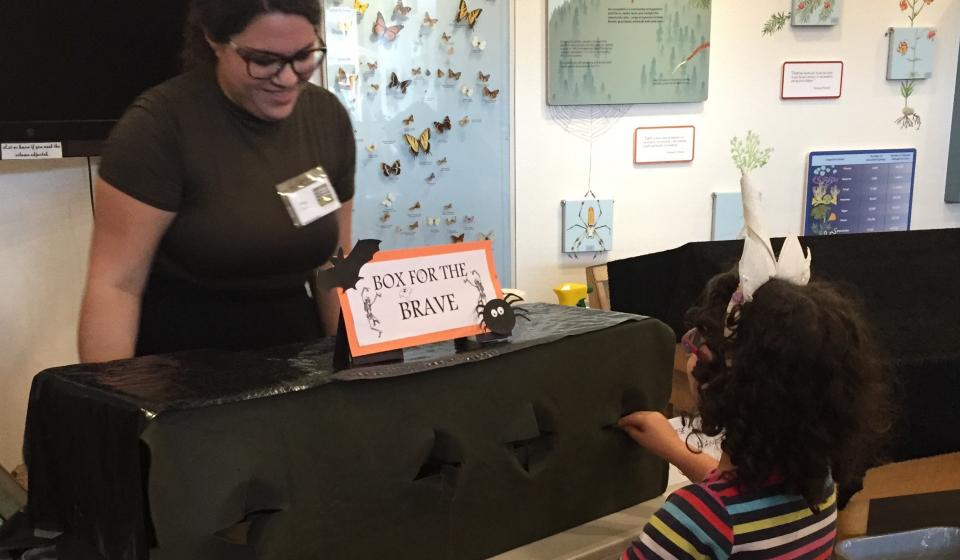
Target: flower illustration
[(903, 47), (803, 5), (826, 5), (903, 5), (928, 2), (931, 34)]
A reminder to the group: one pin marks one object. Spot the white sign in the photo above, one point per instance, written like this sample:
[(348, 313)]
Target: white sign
[(812, 80), (665, 144), (417, 296), (31, 150)]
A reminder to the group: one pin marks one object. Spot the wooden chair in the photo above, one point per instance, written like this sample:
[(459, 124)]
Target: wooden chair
[(681, 400)]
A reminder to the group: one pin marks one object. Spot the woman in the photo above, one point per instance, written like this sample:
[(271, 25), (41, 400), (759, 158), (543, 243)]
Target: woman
[(193, 245)]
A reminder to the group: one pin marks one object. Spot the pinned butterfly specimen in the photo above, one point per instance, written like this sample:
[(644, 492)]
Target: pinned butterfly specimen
[(414, 226), (385, 217), (381, 30), (390, 170), (344, 80), (478, 45), (360, 7), (400, 10), (442, 161), (451, 221), (372, 66), (453, 75), (429, 21), (440, 73), (468, 219), (490, 94), (416, 71), (416, 206), (344, 27), (483, 78), (431, 221), (456, 238), (445, 38), (371, 148), (442, 126), (465, 121), (397, 84), (467, 91), (419, 145), (387, 201), (409, 120), (374, 88), (448, 207), (432, 178), (486, 236), (465, 14)]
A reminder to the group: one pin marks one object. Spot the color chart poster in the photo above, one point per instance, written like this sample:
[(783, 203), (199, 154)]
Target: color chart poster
[(859, 191), (627, 51)]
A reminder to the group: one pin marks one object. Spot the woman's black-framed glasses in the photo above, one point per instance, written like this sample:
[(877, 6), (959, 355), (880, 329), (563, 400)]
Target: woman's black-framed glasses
[(266, 65)]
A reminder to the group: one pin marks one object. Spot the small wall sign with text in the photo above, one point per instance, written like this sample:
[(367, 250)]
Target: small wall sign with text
[(31, 150), (409, 297), (664, 144), (812, 80)]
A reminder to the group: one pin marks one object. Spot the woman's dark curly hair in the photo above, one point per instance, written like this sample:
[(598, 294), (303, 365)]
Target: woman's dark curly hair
[(797, 389), (222, 19)]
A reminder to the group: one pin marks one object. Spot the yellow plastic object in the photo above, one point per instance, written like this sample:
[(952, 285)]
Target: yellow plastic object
[(570, 293)]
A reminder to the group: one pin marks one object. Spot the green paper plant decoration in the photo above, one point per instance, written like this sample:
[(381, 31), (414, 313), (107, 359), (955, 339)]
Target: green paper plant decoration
[(747, 154), (805, 11)]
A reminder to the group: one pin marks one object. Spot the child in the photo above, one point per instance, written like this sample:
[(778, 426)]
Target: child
[(791, 381)]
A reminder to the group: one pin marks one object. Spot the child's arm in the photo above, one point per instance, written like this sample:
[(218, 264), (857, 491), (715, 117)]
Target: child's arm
[(653, 431)]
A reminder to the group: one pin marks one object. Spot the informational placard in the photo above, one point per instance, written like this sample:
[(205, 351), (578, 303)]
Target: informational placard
[(627, 51), (859, 191), (408, 297), (31, 150), (812, 80), (665, 144)]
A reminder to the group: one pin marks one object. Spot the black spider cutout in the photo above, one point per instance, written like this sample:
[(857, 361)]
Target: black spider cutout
[(499, 316)]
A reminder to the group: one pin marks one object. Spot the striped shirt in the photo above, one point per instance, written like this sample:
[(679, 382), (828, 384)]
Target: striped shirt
[(718, 519)]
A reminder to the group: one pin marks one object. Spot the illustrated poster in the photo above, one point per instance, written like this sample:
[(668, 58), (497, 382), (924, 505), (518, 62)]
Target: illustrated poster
[(859, 191), (426, 84), (627, 51)]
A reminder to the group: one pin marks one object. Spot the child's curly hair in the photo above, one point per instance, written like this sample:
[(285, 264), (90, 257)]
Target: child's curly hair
[(797, 388)]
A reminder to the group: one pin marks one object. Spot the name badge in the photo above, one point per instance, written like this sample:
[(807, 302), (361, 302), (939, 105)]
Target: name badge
[(308, 196)]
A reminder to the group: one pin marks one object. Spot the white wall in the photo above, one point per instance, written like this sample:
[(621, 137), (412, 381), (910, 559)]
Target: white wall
[(45, 212), (45, 224), (664, 206)]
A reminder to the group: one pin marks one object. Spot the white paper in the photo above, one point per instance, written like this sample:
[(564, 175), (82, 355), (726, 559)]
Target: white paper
[(31, 150), (804, 80), (664, 145), (711, 446)]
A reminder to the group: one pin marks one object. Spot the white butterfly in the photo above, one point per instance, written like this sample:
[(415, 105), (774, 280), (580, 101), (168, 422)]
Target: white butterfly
[(344, 27), (432, 221), (387, 202), (467, 91), (478, 45)]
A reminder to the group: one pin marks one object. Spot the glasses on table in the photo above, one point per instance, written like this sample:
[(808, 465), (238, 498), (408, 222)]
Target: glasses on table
[(266, 65)]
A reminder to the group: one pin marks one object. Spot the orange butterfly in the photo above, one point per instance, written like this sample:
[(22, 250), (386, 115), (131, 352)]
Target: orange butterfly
[(465, 13), (481, 77), (416, 206), (457, 238), (453, 75), (492, 94), (380, 29), (385, 217), (429, 21), (409, 120), (401, 10), (443, 125), (414, 226), (439, 73), (442, 161)]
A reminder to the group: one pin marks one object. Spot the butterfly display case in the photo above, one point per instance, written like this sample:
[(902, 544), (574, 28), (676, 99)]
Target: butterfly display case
[(426, 83)]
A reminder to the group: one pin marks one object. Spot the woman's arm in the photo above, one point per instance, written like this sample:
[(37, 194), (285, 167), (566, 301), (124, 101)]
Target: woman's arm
[(327, 299), (126, 234)]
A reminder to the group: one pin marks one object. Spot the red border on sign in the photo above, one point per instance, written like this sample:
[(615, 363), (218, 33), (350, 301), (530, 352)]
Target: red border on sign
[(400, 254), (693, 152), (783, 78)]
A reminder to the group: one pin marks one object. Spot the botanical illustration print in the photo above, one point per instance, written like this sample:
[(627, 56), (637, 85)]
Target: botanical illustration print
[(804, 13), (826, 196), (910, 58)]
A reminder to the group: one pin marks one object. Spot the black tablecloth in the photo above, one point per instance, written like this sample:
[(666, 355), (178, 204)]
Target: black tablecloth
[(909, 283), (446, 455)]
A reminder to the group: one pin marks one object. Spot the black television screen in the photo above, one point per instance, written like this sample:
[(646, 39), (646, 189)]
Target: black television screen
[(71, 67)]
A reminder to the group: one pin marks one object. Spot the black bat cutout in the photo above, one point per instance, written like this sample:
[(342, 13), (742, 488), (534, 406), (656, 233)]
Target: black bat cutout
[(346, 270)]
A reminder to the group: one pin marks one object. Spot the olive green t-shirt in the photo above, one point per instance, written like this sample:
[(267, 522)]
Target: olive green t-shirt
[(184, 147)]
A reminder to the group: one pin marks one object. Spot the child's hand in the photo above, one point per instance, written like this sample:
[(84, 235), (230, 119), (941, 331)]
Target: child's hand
[(653, 431)]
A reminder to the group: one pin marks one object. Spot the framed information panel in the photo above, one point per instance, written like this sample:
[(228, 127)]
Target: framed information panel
[(860, 191)]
